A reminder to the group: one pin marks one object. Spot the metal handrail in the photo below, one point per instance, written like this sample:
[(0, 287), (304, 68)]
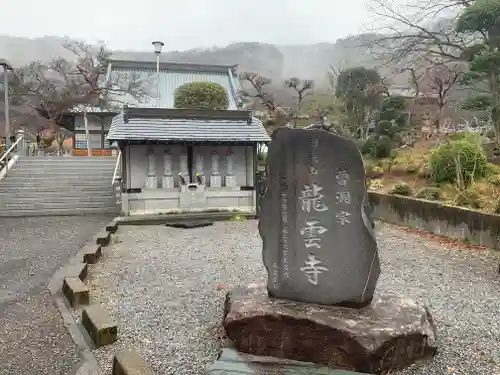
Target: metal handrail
[(118, 158), (4, 156)]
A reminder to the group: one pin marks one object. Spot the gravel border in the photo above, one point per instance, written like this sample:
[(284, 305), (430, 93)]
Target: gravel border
[(166, 288)]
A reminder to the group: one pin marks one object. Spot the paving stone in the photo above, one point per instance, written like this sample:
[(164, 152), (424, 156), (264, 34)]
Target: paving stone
[(92, 253), (100, 326), (103, 238), (112, 227), (75, 291), (130, 363)]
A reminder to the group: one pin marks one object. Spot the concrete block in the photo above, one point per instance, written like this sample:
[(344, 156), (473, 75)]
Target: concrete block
[(75, 291), (103, 238), (92, 253), (112, 227), (79, 270), (100, 326), (130, 363)]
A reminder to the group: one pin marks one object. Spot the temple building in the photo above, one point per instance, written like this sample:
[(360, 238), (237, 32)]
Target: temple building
[(185, 160)]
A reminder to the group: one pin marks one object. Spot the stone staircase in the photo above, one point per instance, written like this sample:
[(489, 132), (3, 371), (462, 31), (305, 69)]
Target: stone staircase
[(48, 185)]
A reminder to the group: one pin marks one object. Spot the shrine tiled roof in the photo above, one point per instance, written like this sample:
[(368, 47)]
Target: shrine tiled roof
[(155, 124)]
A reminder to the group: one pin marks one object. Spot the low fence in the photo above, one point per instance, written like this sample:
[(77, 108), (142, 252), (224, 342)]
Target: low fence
[(472, 226)]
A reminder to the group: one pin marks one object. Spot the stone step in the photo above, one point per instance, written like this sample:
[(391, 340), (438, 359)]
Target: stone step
[(50, 191), (67, 159), (64, 166), (33, 204), (59, 210), (39, 186), (110, 167), (81, 211), (60, 175), (62, 199), (55, 168), (20, 190), (53, 187), (60, 180), (53, 195)]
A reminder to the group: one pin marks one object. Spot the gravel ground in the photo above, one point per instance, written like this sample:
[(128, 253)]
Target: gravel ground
[(166, 288), (33, 338)]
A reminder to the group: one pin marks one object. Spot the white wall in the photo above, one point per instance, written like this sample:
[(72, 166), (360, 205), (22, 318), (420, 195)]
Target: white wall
[(242, 162), (137, 163), (94, 122)]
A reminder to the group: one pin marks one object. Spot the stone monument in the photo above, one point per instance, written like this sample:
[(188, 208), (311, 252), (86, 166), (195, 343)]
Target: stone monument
[(321, 257), (319, 245)]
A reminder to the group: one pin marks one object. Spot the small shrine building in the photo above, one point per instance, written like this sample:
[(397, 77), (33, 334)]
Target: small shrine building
[(185, 160)]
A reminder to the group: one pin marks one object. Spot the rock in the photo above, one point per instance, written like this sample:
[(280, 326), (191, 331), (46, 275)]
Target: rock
[(318, 240), (390, 334)]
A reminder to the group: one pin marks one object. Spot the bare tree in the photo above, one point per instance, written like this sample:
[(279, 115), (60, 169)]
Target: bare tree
[(438, 81), (334, 71), (302, 88), (418, 30), (259, 86), (56, 87)]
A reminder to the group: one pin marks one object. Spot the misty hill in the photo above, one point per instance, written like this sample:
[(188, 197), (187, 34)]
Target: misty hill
[(276, 61)]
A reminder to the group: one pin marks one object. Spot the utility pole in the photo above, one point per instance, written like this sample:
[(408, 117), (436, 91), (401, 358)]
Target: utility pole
[(6, 67), (158, 46)]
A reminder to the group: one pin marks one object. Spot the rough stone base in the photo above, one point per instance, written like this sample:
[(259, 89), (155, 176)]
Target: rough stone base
[(390, 334)]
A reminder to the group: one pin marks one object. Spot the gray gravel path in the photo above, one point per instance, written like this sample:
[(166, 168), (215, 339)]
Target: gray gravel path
[(166, 288), (33, 339)]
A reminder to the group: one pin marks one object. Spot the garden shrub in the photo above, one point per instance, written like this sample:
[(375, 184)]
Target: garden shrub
[(429, 193), (424, 172), (401, 189), (386, 128), (496, 210), (494, 179), (201, 95), (375, 185), (469, 155), (372, 170), (377, 147), (457, 136), (492, 169), (467, 198)]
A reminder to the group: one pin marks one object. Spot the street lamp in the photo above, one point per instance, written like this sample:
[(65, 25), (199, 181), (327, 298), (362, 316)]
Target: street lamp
[(6, 66), (158, 46)]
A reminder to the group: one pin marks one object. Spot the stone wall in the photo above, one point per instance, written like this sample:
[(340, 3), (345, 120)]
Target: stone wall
[(435, 217)]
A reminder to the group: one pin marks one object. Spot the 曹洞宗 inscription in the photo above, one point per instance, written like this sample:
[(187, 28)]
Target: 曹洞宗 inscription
[(318, 242)]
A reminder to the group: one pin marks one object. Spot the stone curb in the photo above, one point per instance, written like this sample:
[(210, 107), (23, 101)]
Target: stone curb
[(75, 291), (169, 218), (130, 363), (100, 326), (74, 268)]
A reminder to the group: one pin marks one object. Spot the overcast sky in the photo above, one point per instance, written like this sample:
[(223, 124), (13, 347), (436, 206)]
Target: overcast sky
[(185, 24)]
